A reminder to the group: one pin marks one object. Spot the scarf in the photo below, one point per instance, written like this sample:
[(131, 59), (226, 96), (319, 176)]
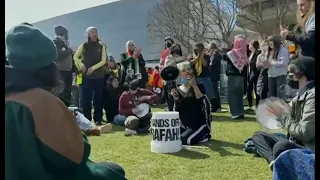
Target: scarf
[(238, 54), (199, 62), (136, 62)]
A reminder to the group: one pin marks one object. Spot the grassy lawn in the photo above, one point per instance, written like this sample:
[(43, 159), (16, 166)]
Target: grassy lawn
[(221, 159)]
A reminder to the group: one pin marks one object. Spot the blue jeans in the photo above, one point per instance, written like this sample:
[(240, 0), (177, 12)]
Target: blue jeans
[(92, 88), (208, 87), (119, 120)]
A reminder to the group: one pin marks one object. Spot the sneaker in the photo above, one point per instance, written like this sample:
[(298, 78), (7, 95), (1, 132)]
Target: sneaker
[(221, 110), (129, 132), (204, 140), (105, 128), (237, 117)]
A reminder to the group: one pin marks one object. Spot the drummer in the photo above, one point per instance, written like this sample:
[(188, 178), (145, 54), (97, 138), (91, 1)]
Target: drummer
[(194, 107), (130, 114), (300, 125)]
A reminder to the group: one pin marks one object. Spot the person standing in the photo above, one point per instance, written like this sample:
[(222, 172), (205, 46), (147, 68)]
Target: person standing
[(64, 61), (215, 71), (93, 53), (261, 64), (200, 63), (236, 60), (306, 40), (132, 60), (277, 62), (168, 43), (172, 59), (253, 73)]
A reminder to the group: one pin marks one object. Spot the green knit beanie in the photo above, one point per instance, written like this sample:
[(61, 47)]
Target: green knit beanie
[(28, 48)]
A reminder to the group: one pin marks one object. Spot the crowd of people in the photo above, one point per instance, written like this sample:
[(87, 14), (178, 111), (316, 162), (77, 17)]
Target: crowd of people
[(127, 90)]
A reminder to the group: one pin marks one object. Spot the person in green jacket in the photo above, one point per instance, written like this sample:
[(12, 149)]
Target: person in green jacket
[(42, 138), (300, 122)]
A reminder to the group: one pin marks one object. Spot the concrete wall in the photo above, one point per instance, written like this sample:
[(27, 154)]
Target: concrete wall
[(117, 23)]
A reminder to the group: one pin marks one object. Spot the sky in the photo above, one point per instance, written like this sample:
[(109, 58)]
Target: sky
[(18, 11)]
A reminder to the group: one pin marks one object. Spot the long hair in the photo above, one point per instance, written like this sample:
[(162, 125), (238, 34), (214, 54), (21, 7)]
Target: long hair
[(276, 46), (303, 19), (110, 80), (127, 45)]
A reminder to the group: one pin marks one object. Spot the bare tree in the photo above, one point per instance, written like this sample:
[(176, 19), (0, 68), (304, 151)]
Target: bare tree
[(254, 13), (190, 21)]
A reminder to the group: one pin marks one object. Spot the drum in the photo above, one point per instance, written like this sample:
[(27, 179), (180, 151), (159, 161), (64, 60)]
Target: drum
[(267, 119), (165, 130), (144, 110)]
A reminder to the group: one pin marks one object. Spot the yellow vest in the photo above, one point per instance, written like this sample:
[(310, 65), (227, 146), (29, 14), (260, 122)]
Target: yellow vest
[(79, 79)]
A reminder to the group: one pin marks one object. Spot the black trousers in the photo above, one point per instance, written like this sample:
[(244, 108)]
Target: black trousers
[(252, 87), (168, 97), (66, 77), (270, 146), (216, 102)]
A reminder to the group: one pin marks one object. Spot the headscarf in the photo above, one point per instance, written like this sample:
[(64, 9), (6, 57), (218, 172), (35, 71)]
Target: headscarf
[(238, 54), (131, 54), (86, 33)]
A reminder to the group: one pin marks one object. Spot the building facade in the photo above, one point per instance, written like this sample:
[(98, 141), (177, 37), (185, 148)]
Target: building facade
[(116, 22), (269, 14)]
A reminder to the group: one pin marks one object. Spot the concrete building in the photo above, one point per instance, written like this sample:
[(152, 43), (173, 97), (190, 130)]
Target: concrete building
[(269, 13), (117, 22)]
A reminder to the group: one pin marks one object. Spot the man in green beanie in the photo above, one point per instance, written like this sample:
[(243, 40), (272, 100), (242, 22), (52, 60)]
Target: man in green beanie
[(42, 138)]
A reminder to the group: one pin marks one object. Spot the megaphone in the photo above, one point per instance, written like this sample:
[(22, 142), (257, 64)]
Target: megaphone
[(169, 73)]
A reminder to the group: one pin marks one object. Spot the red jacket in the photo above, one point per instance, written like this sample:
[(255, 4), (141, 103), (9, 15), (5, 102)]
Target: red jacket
[(156, 77), (164, 54), (128, 101)]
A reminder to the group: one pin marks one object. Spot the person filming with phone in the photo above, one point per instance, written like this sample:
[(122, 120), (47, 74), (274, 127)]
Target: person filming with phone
[(193, 106)]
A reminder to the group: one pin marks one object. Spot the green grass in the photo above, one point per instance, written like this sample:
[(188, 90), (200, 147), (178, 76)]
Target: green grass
[(222, 158)]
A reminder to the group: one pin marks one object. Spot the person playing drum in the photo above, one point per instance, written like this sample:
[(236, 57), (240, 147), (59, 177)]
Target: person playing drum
[(134, 108), (194, 107)]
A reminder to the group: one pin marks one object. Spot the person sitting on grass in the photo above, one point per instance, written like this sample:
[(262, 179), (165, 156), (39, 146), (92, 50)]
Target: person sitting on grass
[(194, 107), (301, 122), (42, 137), (129, 110), (112, 94)]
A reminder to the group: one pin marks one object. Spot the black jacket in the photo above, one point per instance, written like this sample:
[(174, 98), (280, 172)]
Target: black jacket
[(254, 72), (231, 69), (215, 66), (306, 42)]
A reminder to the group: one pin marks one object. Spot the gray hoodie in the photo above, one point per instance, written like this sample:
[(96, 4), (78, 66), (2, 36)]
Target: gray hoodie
[(279, 65)]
